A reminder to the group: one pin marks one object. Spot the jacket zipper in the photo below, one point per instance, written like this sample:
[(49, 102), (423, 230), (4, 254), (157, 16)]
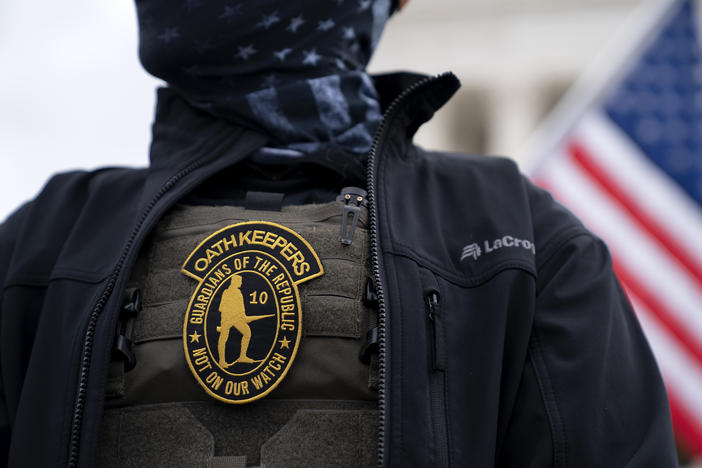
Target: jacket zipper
[(88, 341), (122, 349), (383, 357)]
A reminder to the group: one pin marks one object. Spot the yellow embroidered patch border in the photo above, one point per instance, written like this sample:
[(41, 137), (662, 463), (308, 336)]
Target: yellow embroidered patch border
[(243, 324)]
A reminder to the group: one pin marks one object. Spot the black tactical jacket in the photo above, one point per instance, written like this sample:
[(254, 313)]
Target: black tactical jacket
[(505, 339)]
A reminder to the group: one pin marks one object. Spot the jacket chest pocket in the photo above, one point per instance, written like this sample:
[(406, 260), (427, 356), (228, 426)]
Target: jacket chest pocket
[(438, 360)]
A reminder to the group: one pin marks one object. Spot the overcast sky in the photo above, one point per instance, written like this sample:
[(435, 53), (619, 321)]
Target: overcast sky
[(72, 92)]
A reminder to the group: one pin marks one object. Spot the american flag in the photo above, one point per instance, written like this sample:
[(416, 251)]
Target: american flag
[(627, 159)]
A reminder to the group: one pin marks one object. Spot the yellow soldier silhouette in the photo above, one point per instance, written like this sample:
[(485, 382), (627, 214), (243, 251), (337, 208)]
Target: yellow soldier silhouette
[(233, 312)]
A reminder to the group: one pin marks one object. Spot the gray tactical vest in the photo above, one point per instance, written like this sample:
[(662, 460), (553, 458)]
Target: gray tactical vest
[(323, 413)]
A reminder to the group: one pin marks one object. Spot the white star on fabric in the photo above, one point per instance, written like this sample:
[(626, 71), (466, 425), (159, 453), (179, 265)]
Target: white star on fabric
[(311, 57), (246, 51), (230, 12), (268, 20), (295, 23), (169, 34), (325, 25), (349, 33), (364, 5), (281, 54)]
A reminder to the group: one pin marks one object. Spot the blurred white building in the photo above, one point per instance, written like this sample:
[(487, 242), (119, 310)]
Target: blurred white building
[(514, 57)]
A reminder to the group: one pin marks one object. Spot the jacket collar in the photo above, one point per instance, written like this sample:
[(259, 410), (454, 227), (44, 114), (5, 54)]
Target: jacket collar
[(181, 133), (417, 96)]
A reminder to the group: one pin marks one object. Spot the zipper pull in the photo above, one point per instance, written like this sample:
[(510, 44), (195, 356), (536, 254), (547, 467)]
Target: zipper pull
[(370, 298), (123, 338), (370, 346), (353, 198), (434, 314)]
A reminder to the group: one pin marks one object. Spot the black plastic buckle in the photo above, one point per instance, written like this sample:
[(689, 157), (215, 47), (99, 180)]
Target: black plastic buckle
[(370, 298), (122, 349), (370, 346)]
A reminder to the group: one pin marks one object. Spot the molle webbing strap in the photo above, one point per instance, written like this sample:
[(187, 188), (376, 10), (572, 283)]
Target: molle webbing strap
[(274, 433), (323, 438), (228, 462), (153, 436), (267, 201)]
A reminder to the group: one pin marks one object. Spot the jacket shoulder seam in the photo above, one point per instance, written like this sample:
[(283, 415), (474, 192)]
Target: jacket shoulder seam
[(562, 239), (550, 400)]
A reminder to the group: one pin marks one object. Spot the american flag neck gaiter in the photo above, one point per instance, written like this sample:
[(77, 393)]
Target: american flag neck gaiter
[(294, 70)]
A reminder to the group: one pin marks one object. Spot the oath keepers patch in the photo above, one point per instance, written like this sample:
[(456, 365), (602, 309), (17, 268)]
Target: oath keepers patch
[(243, 324)]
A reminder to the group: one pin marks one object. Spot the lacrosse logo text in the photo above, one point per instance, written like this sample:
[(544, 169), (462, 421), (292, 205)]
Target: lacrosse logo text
[(474, 250)]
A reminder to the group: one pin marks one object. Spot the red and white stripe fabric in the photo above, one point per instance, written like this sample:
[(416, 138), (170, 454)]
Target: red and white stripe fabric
[(654, 233), (621, 168)]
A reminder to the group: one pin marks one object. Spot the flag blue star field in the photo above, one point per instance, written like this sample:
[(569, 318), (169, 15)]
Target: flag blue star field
[(659, 104), (630, 166)]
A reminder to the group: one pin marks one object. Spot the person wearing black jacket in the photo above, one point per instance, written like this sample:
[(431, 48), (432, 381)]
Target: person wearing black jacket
[(498, 331)]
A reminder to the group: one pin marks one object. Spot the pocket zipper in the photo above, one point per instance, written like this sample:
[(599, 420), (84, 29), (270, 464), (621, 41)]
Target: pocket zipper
[(438, 367), (435, 318)]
